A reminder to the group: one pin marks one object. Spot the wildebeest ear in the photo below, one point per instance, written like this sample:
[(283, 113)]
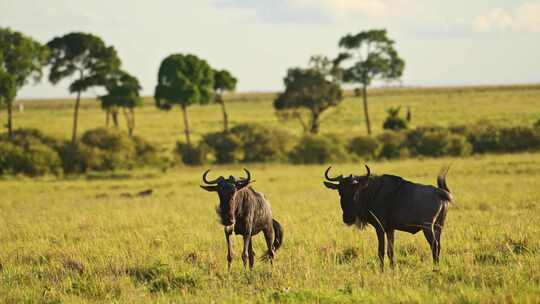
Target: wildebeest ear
[(331, 186), (209, 188)]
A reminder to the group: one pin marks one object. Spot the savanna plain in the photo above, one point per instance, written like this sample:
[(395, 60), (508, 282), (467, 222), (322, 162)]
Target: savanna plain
[(80, 240)]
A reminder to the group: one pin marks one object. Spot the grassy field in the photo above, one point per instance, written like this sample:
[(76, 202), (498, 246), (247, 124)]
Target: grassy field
[(450, 106), (80, 239)]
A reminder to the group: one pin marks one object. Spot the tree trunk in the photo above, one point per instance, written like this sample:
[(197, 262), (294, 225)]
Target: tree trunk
[(130, 120), (225, 115), (114, 114), (10, 118), (186, 125), (76, 118), (314, 129), (107, 117), (366, 113)]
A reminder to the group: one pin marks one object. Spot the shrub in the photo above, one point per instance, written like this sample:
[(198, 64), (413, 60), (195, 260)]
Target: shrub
[(146, 153), (80, 158), (537, 124), (459, 146), (33, 159), (261, 143), (437, 141), (226, 147), (484, 137), (393, 121), (318, 149), (191, 155), (365, 146), (29, 152), (392, 145), (518, 139)]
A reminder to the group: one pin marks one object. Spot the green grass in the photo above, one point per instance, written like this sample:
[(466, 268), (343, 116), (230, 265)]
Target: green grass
[(503, 105), (79, 239)]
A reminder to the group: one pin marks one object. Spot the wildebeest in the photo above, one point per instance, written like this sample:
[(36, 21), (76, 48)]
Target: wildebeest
[(391, 203), (247, 212)]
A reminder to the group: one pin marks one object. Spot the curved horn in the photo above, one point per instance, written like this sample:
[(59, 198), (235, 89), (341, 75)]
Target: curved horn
[(248, 178), (332, 179), (212, 181), (368, 171)]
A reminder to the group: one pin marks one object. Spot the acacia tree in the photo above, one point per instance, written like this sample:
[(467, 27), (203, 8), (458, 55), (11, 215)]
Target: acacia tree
[(21, 58), (85, 57), (314, 89), (184, 80), (122, 93), (223, 81), (373, 58)]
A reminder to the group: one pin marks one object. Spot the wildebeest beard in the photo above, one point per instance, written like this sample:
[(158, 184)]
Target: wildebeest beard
[(361, 199)]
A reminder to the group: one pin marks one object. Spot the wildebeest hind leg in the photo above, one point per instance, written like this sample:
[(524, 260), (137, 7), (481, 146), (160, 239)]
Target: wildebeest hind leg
[(251, 255), (433, 244), (269, 238), (380, 237), (390, 249)]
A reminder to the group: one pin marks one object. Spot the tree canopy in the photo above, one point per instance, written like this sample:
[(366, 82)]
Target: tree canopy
[(184, 80), (223, 81), (21, 58), (122, 91), (314, 89), (84, 56), (373, 58)]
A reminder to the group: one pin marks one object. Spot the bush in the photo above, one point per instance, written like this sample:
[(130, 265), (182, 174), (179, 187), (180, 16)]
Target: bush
[(365, 146), (190, 155), (261, 143), (484, 137), (80, 158), (107, 149), (32, 159), (392, 145), (29, 152), (318, 149), (146, 153), (537, 124), (226, 147), (459, 146), (518, 139), (393, 121)]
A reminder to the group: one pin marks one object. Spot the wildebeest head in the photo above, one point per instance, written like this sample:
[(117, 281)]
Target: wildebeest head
[(349, 189), (226, 189)]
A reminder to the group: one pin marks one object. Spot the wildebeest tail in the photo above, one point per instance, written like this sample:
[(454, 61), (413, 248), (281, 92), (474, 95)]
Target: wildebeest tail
[(441, 183), (278, 238), (278, 234)]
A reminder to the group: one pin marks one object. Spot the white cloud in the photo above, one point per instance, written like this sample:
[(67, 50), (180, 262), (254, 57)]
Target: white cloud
[(526, 17), (322, 10), (342, 8)]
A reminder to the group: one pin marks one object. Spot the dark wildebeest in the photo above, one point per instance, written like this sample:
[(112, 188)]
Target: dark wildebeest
[(391, 203), (247, 212)]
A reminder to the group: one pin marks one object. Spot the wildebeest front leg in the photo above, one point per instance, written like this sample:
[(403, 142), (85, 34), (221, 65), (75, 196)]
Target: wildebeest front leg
[(228, 232), (245, 251), (380, 237), (390, 249)]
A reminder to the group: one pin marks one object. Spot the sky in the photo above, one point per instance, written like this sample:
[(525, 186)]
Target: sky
[(443, 42)]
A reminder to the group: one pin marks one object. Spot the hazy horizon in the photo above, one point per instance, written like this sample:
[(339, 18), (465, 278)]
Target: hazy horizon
[(444, 44)]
